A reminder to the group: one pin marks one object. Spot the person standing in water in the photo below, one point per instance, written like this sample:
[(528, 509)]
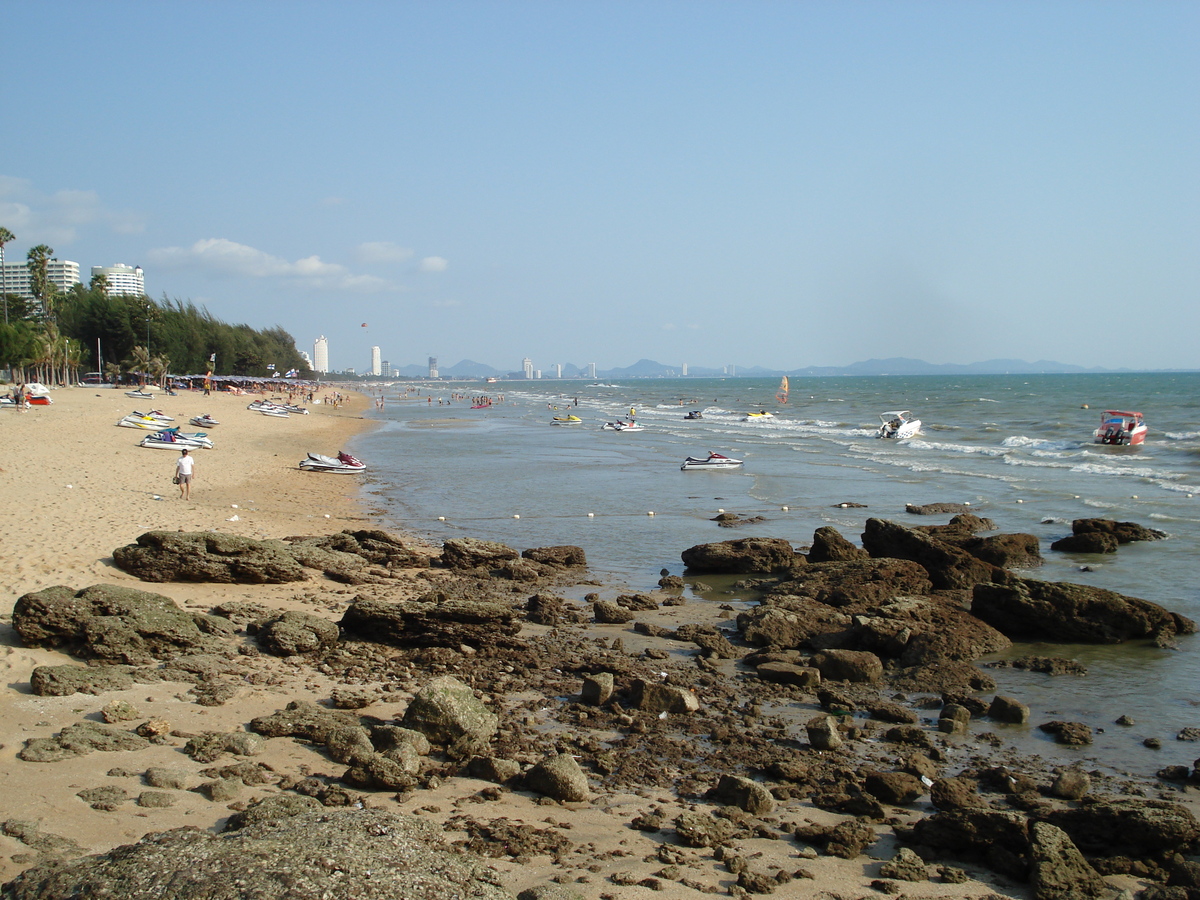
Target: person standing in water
[(184, 467)]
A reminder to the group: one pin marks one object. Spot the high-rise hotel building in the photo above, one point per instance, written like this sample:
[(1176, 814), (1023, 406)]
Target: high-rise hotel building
[(122, 279), (320, 361)]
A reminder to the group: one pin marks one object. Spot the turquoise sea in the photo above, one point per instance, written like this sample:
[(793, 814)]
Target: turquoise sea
[(1017, 448)]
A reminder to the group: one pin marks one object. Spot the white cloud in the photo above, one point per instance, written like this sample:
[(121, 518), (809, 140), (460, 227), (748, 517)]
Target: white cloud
[(382, 252), (221, 256), (40, 218), (434, 264)]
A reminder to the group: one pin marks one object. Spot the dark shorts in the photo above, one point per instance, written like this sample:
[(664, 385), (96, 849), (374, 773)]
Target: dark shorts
[(185, 479)]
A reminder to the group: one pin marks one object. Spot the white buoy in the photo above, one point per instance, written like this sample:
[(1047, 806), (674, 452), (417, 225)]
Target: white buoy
[(650, 513), (966, 503), (720, 510), (784, 508), (1020, 501), (516, 516), (593, 515), (1133, 496), (441, 518)]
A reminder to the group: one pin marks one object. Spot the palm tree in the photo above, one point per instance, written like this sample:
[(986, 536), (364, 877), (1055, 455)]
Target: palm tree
[(139, 361), (159, 366), (6, 236), (37, 261)]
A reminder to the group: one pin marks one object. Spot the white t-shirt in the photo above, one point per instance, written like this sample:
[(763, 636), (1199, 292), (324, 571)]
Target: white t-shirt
[(184, 464)]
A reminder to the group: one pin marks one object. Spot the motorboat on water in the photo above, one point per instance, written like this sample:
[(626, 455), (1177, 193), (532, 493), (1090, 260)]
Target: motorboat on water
[(566, 420), (1118, 428), (898, 424), (174, 439), (694, 414), (343, 463), (712, 461), (204, 421), (760, 416)]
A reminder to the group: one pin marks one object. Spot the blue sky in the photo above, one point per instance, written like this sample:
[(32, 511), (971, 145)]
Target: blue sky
[(770, 183)]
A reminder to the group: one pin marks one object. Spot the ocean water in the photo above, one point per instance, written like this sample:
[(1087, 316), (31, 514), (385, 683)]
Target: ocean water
[(1016, 448)]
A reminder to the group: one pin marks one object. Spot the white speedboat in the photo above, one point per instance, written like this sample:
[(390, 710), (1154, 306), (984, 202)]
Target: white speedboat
[(173, 439), (712, 461), (204, 421), (1119, 428), (343, 463), (898, 425)]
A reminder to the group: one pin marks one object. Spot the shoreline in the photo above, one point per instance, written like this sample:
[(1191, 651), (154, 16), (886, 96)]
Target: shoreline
[(90, 496)]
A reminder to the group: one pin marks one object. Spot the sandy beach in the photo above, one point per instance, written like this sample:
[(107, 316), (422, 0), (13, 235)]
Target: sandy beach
[(75, 488)]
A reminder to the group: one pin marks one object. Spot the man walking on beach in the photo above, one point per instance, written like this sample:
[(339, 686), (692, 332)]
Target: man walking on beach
[(183, 473)]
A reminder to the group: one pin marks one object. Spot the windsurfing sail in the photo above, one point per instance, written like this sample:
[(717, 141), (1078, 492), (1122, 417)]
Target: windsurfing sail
[(782, 393)]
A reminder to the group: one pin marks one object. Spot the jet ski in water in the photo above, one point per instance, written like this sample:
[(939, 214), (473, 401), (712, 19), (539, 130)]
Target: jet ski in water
[(566, 420), (622, 426), (343, 462), (712, 461), (694, 414)]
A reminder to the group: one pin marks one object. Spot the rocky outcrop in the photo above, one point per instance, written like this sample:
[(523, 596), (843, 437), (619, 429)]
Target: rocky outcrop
[(206, 556), (471, 553), (745, 556), (852, 581), (947, 565), (1124, 532), (115, 624), (1132, 827), (559, 776), (1026, 609), (566, 556), (340, 854), (425, 623)]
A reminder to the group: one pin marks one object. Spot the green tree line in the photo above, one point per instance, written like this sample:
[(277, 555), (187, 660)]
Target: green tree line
[(58, 335)]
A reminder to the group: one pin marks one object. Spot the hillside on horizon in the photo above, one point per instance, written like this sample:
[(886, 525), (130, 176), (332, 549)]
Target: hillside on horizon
[(648, 368)]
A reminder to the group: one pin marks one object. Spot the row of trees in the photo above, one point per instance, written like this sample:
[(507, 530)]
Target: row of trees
[(57, 335)]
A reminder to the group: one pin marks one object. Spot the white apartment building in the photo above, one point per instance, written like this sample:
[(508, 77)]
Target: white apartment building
[(527, 367), (433, 367), (320, 360), (376, 362), (685, 370), (61, 272), (592, 371), (122, 279)]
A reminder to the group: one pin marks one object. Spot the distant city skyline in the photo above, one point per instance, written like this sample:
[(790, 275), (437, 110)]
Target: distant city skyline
[(774, 184)]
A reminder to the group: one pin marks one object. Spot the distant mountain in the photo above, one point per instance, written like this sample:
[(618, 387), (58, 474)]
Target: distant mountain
[(649, 368), (468, 368)]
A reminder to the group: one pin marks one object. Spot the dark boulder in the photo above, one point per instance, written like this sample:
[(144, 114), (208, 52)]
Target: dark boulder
[(947, 565), (1124, 532), (849, 665), (470, 553), (114, 624), (1088, 542), (790, 623), (1026, 609), (291, 633), (1132, 827), (828, 545), (743, 556), (417, 623), (206, 556), (566, 556), (62, 681), (936, 509), (855, 581), (999, 839)]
